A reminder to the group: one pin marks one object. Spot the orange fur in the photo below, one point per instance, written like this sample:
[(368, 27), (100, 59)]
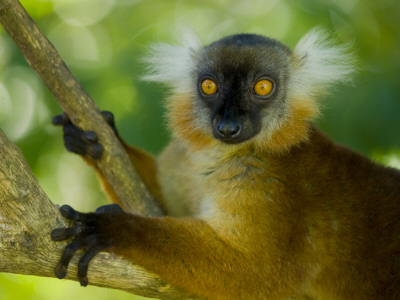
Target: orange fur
[(267, 220), (295, 128), (182, 121), (303, 226), (317, 221), (286, 214)]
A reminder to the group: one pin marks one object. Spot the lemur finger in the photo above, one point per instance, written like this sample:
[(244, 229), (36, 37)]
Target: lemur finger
[(64, 120), (69, 251), (90, 136), (61, 120), (95, 151), (75, 145), (83, 265), (61, 234), (72, 130), (109, 208), (109, 117), (82, 142), (71, 214), (69, 128)]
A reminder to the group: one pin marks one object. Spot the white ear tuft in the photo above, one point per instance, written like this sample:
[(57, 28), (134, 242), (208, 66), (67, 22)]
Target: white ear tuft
[(318, 63), (174, 64)]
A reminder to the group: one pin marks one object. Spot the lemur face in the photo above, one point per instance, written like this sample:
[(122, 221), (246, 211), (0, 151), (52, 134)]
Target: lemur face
[(246, 88), (241, 80)]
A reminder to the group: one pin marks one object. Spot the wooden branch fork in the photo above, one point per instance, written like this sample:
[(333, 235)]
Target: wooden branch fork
[(27, 215)]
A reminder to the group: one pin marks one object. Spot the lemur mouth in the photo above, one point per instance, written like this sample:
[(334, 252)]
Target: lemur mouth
[(232, 139)]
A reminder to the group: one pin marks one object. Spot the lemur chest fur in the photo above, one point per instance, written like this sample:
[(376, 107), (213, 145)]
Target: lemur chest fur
[(205, 183)]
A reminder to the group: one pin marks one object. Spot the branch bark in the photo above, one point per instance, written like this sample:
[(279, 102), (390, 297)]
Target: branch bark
[(27, 215), (74, 100)]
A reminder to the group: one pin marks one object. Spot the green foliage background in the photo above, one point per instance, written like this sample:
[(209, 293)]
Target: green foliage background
[(103, 40)]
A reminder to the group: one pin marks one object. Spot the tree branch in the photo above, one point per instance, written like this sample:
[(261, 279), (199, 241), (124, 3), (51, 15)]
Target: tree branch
[(27, 217), (73, 99)]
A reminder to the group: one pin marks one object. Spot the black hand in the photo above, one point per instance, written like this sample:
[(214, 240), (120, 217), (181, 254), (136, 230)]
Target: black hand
[(89, 232), (81, 142)]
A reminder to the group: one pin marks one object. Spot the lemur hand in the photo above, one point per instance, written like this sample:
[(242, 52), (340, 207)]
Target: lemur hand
[(82, 142)]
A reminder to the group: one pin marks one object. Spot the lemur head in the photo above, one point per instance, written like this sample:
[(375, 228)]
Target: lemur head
[(247, 89)]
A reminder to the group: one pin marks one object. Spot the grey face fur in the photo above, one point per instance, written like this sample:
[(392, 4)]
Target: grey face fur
[(236, 63), (235, 114)]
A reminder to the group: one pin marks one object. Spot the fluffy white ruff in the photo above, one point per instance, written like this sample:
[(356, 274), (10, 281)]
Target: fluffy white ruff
[(318, 63), (174, 65)]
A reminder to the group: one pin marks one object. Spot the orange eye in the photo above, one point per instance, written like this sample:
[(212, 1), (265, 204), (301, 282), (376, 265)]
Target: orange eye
[(209, 87), (263, 87)]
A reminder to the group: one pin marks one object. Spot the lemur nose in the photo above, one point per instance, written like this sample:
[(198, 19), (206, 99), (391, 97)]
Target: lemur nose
[(229, 129)]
